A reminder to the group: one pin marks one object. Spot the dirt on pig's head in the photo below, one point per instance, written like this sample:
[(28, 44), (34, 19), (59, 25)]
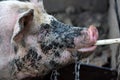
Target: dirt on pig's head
[(36, 28), (58, 35)]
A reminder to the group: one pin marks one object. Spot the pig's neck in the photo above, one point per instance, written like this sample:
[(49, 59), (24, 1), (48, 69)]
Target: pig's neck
[(6, 73), (6, 69)]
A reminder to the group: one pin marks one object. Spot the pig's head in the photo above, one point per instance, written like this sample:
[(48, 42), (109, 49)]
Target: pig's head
[(42, 43)]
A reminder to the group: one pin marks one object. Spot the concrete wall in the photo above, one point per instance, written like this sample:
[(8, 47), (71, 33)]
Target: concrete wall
[(114, 33), (61, 5)]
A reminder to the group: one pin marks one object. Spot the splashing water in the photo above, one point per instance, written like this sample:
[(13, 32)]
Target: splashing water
[(54, 75), (78, 63), (77, 68)]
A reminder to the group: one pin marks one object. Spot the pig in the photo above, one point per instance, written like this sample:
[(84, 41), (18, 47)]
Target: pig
[(32, 42)]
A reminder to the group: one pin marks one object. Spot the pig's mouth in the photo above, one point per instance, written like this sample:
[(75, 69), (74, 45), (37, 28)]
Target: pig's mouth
[(87, 49), (86, 43)]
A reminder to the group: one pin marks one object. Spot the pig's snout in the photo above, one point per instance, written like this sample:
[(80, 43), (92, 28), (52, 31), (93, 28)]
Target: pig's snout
[(93, 34), (86, 41), (62, 36)]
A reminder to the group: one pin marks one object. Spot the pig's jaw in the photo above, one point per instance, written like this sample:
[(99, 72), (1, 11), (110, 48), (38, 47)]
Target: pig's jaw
[(87, 49)]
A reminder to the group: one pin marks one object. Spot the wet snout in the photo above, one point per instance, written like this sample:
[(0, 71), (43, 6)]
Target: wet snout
[(93, 34), (85, 42)]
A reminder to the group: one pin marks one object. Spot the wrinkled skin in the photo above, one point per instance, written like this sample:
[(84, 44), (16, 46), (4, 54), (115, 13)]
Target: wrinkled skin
[(32, 42)]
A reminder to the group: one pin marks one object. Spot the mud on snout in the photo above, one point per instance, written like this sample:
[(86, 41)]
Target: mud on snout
[(58, 35)]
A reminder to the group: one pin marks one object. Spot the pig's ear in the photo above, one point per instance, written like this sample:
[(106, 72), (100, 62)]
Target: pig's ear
[(22, 25), (39, 3)]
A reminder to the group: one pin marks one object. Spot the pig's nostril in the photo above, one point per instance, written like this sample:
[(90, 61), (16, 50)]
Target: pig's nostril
[(93, 33)]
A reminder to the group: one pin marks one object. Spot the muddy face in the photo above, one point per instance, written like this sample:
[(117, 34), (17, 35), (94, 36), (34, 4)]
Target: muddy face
[(58, 35)]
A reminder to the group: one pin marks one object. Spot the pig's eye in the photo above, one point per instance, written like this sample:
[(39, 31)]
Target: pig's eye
[(45, 26)]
